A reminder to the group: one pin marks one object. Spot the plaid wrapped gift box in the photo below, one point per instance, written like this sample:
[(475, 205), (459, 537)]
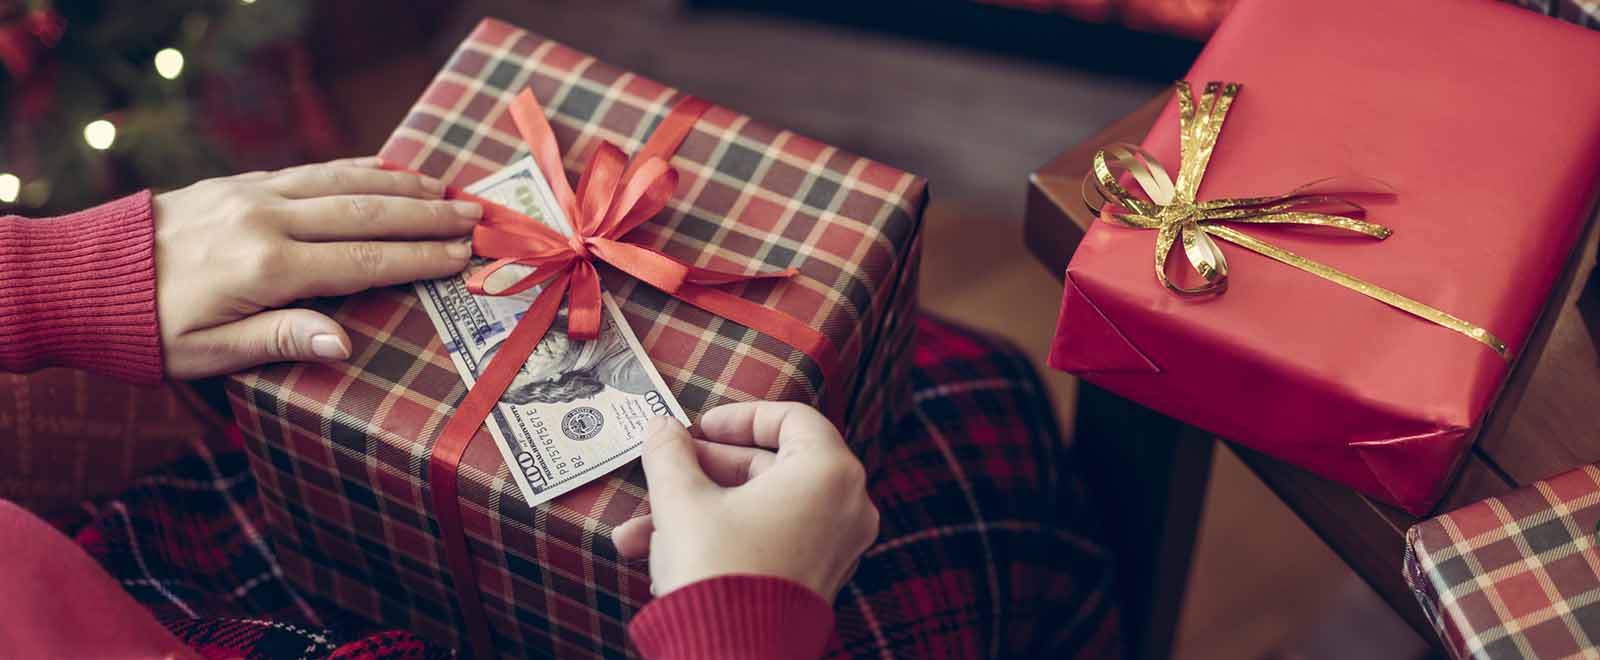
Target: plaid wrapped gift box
[(340, 450), (1516, 576)]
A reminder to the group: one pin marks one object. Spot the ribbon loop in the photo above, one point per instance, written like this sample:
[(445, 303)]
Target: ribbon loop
[(647, 265), (478, 282), (1204, 256), (597, 188), (1171, 209), (644, 195)]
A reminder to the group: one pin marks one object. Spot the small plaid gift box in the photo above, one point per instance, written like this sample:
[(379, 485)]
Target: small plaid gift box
[(341, 451), (1516, 576)]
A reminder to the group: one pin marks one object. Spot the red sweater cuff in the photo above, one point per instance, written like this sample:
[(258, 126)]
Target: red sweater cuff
[(80, 291), (738, 617)]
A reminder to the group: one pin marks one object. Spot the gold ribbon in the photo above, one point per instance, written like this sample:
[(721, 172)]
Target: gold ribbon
[(1174, 213)]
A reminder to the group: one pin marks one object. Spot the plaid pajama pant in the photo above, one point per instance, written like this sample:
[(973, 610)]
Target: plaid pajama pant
[(987, 546)]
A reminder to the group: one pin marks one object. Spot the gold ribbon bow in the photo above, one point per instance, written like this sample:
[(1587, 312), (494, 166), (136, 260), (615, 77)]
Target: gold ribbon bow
[(1174, 213)]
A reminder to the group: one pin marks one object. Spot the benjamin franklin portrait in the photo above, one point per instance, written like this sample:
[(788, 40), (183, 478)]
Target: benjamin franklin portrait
[(562, 370)]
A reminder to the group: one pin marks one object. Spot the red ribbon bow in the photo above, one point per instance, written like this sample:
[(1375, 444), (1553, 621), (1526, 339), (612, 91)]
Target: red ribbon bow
[(613, 197)]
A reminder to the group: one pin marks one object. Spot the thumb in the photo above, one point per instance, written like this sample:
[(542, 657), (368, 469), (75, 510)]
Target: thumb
[(670, 467), (632, 537), (282, 335)]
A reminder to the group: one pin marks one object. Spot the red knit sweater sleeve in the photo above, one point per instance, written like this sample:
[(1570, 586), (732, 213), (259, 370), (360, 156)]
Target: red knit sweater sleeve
[(737, 617), (80, 291)]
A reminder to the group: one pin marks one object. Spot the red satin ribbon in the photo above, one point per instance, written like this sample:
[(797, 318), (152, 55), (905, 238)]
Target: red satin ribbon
[(613, 197)]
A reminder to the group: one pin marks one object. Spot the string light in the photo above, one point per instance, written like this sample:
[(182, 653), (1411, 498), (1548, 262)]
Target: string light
[(169, 63), (100, 134), (35, 193), (10, 185)]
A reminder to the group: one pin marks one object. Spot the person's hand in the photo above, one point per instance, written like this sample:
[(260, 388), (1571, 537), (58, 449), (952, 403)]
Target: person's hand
[(229, 250), (771, 490)]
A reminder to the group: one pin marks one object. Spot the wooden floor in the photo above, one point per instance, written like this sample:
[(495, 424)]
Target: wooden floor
[(975, 124)]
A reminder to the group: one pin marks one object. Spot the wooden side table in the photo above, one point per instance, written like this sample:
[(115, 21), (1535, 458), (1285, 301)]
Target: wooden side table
[(1154, 470)]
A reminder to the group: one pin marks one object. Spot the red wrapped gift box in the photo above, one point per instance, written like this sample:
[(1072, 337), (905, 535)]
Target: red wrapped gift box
[(1460, 117), (341, 451)]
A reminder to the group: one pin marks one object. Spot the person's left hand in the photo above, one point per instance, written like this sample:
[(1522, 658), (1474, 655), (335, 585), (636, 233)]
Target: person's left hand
[(230, 250)]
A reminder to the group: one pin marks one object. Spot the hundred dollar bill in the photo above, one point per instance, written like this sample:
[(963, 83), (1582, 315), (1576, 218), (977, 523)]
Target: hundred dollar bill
[(578, 409)]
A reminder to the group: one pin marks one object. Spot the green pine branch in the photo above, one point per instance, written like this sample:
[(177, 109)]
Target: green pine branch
[(103, 66)]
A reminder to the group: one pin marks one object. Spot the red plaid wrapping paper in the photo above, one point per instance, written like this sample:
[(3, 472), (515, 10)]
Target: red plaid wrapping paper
[(989, 547), (72, 434), (341, 450), (1516, 576)]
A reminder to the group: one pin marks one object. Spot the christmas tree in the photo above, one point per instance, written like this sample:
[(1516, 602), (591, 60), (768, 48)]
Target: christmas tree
[(98, 97)]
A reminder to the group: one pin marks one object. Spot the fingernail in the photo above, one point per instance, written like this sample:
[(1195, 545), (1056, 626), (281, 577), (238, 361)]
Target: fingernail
[(656, 425), (459, 249), (468, 209), (329, 347), (434, 186)]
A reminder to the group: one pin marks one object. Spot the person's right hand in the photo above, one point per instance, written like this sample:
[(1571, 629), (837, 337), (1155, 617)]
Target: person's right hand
[(230, 250), (771, 490)]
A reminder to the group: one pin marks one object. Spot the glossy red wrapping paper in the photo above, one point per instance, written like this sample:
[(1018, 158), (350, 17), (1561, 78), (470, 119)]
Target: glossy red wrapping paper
[(1484, 117)]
